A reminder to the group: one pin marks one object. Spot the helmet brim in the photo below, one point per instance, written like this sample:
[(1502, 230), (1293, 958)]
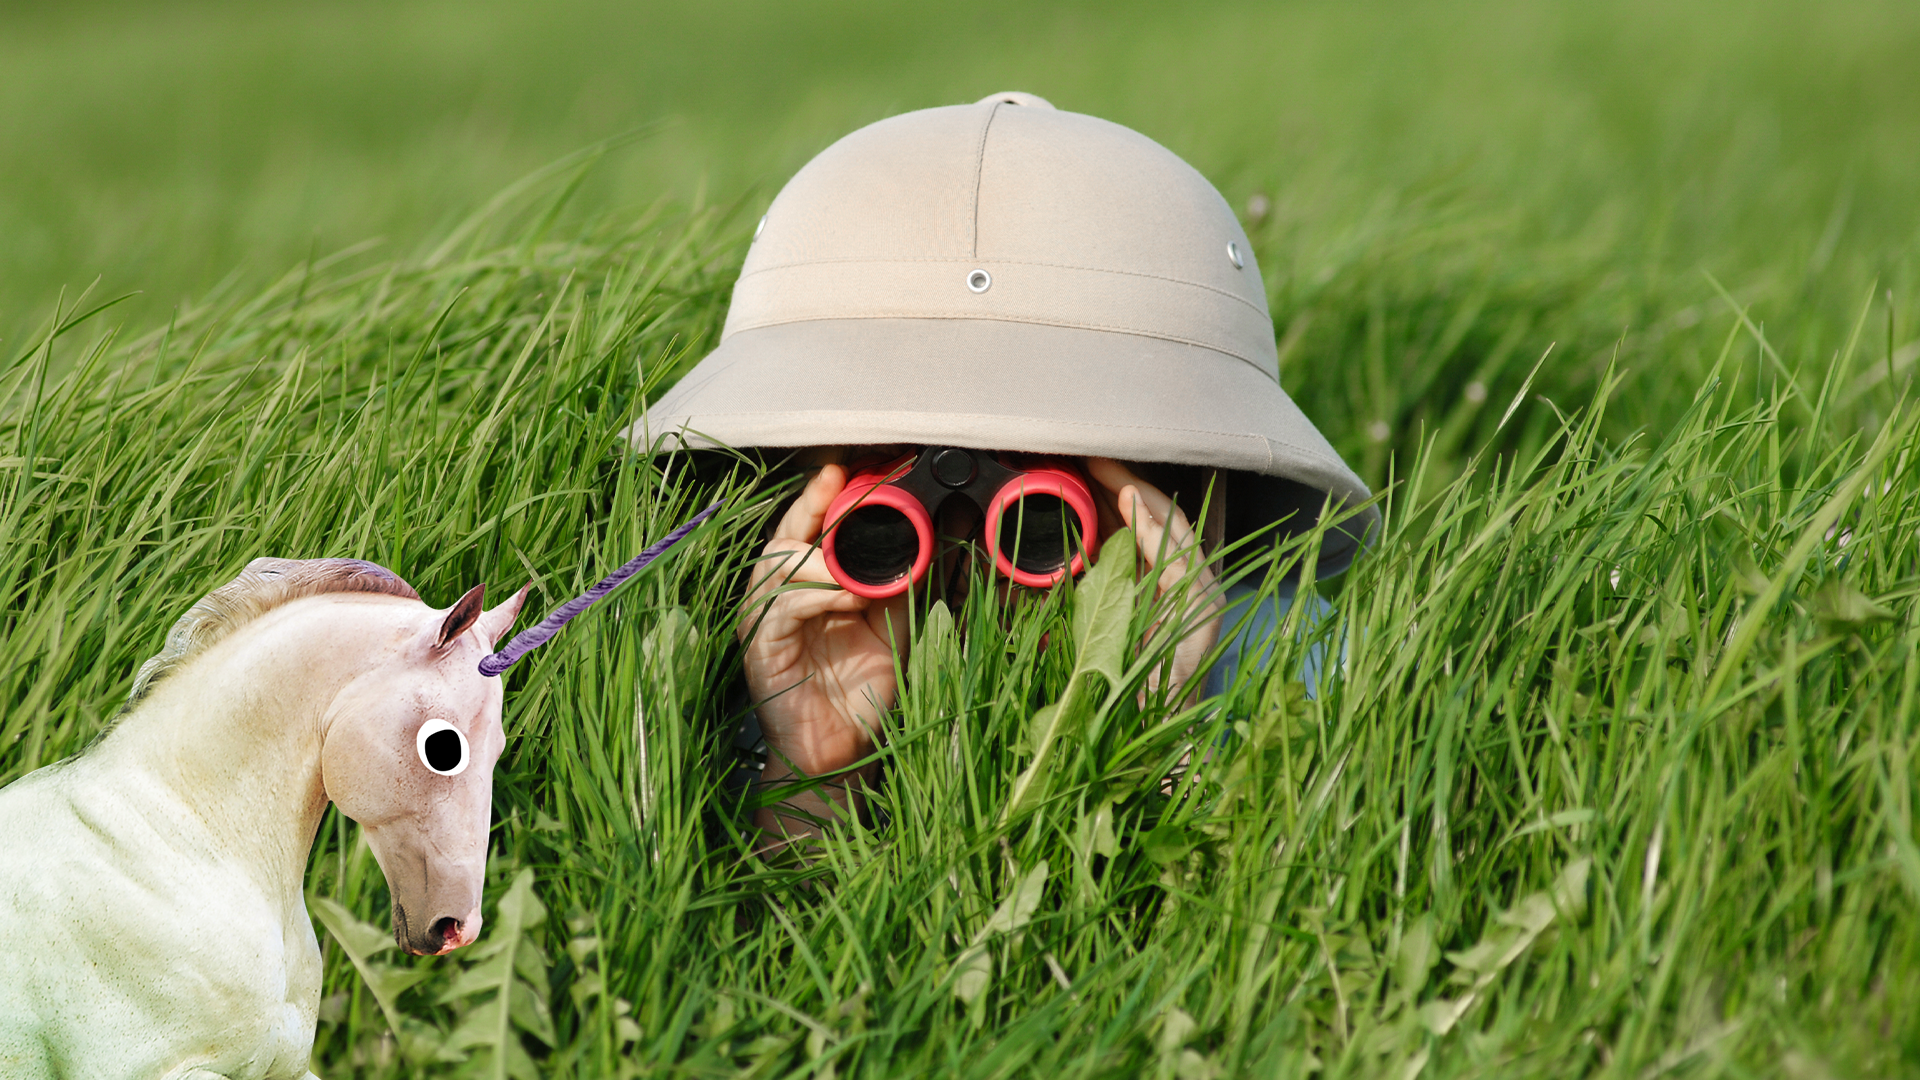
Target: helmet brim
[(999, 385)]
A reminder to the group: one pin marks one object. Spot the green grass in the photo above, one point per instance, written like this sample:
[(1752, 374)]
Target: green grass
[(1618, 778)]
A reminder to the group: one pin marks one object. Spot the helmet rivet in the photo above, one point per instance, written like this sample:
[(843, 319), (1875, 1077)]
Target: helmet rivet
[(979, 281), (1233, 255), (761, 227)]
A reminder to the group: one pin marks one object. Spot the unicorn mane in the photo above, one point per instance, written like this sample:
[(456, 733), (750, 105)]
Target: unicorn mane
[(265, 584)]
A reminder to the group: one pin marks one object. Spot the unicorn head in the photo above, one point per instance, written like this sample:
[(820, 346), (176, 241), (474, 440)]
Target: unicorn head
[(408, 752)]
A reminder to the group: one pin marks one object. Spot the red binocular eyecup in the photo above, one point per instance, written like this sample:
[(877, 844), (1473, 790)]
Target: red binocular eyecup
[(879, 539)]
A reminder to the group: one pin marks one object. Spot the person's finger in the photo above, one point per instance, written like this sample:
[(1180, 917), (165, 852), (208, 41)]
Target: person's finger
[(1150, 529), (808, 514), (787, 562), (800, 605), (1136, 516), (798, 530), (1117, 495), (888, 620), (784, 562), (1160, 530), (790, 611), (780, 561), (1131, 494), (1157, 502), (1115, 478), (1110, 474)]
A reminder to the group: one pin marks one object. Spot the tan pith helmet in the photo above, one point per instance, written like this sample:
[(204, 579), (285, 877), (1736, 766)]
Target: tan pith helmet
[(1009, 276)]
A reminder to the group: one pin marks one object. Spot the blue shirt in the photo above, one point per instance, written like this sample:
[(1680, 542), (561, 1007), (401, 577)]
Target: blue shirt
[(1254, 622)]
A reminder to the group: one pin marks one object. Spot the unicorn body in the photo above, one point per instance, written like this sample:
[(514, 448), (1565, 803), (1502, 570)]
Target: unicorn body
[(152, 920)]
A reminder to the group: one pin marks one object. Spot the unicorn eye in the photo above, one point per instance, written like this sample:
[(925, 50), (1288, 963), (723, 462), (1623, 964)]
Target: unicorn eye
[(442, 748)]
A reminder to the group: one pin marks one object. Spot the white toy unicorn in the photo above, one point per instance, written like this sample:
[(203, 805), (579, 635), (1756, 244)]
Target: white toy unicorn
[(151, 913), (152, 922)]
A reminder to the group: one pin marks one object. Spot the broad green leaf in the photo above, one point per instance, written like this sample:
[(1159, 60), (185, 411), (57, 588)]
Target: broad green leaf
[(520, 909), (1016, 911), (361, 942), (1193, 1065), (1416, 957), (1748, 576), (1047, 725), (671, 654), (1838, 603), (1104, 841), (1040, 728), (512, 969), (531, 1015), (1483, 955), (934, 647), (1168, 843), (973, 972), (1513, 932), (1103, 609), (487, 974), (1176, 1027), (477, 1027), (1441, 1014), (1570, 889), (515, 1062)]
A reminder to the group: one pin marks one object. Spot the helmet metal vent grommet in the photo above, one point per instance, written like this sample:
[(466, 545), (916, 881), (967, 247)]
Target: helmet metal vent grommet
[(1233, 255), (979, 281)]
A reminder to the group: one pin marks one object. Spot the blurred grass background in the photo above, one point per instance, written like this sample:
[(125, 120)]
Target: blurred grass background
[(165, 146), (1652, 637)]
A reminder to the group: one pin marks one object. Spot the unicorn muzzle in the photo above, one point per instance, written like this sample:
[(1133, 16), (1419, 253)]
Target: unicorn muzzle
[(454, 933), (434, 937), (880, 539)]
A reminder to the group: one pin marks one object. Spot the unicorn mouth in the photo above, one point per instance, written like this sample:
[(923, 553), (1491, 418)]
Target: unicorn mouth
[(454, 933), (448, 931), (445, 935)]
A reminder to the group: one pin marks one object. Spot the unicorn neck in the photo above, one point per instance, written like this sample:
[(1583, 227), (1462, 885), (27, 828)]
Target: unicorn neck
[(231, 742)]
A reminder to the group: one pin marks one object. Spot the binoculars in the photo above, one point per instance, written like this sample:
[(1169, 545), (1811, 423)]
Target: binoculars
[(879, 538)]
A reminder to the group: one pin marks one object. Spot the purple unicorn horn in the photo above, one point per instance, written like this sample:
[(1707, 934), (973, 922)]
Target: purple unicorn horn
[(532, 638)]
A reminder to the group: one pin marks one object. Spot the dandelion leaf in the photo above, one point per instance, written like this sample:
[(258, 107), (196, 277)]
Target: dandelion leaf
[(1103, 609)]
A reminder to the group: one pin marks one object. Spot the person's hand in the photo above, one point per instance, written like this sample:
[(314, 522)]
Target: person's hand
[(819, 661), (1160, 531)]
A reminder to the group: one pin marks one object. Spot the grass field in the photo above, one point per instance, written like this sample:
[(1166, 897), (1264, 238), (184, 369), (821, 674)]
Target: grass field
[(1619, 778)]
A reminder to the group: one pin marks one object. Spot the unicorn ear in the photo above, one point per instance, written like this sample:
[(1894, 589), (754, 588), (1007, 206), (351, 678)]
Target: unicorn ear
[(495, 624), (462, 615)]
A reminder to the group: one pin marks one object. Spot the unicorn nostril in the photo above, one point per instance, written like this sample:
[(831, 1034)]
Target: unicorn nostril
[(447, 931)]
